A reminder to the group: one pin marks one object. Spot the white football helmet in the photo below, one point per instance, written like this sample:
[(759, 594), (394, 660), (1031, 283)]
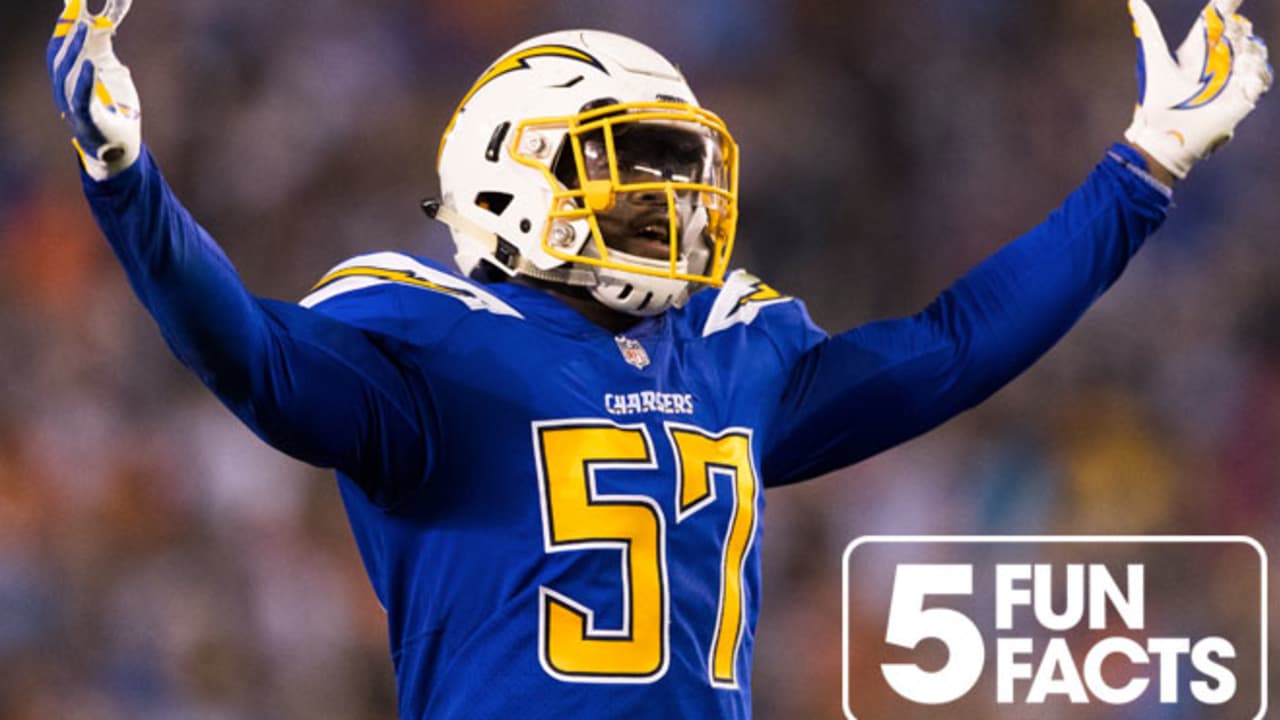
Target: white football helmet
[(548, 139)]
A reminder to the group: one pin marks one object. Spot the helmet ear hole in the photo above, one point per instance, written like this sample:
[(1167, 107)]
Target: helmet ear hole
[(494, 202)]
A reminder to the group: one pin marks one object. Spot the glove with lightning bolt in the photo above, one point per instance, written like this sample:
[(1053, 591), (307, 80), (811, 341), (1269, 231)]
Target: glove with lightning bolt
[(92, 90), (1190, 103)]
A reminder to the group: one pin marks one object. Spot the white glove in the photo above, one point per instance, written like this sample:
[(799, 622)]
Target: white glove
[(1189, 105), (92, 90)]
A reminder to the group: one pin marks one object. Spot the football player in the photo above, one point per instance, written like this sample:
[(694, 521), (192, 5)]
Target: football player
[(554, 460)]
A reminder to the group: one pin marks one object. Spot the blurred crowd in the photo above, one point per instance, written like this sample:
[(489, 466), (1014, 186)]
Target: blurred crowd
[(157, 561)]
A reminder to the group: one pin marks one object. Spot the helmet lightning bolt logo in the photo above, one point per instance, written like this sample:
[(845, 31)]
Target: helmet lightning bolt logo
[(519, 60), (1217, 62)]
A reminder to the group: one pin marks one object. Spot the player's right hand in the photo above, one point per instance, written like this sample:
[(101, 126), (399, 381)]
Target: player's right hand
[(1190, 103), (92, 90)]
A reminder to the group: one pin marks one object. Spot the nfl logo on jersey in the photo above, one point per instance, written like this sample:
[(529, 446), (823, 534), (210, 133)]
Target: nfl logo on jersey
[(633, 352)]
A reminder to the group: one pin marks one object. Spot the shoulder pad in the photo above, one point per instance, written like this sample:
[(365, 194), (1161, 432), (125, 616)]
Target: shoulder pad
[(740, 300), (398, 269)]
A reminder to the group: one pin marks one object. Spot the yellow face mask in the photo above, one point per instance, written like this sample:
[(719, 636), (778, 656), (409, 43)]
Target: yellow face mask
[(683, 153)]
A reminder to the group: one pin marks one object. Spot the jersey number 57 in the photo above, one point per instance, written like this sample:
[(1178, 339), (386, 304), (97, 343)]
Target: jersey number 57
[(576, 517)]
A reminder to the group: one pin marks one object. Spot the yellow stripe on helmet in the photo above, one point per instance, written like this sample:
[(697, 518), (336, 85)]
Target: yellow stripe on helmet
[(518, 60)]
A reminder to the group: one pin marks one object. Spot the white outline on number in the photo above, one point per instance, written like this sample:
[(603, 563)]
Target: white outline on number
[(621, 545), (724, 545)]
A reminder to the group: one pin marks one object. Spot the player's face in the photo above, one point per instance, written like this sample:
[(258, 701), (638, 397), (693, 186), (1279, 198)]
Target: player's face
[(639, 222)]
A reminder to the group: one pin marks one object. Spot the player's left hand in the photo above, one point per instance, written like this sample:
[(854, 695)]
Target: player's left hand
[(1190, 103), (93, 90)]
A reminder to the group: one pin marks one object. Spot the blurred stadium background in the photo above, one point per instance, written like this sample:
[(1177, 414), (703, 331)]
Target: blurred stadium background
[(157, 561)]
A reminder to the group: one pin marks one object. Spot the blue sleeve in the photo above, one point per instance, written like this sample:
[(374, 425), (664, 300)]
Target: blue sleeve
[(312, 386), (855, 394)]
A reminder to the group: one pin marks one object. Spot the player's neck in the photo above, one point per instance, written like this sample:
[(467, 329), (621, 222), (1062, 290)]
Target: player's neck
[(580, 300)]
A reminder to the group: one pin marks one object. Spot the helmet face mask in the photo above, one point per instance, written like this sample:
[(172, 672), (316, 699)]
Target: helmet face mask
[(628, 141), (649, 152), (618, 153)]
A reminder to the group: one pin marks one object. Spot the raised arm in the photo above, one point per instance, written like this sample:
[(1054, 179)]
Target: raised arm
[(868, 389), (863, 391), (316, 388)]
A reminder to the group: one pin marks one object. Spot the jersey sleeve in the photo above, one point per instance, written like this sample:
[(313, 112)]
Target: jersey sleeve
[(322, 390), (860, 392)]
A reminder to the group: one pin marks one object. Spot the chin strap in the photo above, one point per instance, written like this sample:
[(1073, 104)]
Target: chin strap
[(505, 256)]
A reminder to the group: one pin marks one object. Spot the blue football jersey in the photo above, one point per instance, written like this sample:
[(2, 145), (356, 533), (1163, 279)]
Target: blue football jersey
[(561, 522), (587, 533)]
